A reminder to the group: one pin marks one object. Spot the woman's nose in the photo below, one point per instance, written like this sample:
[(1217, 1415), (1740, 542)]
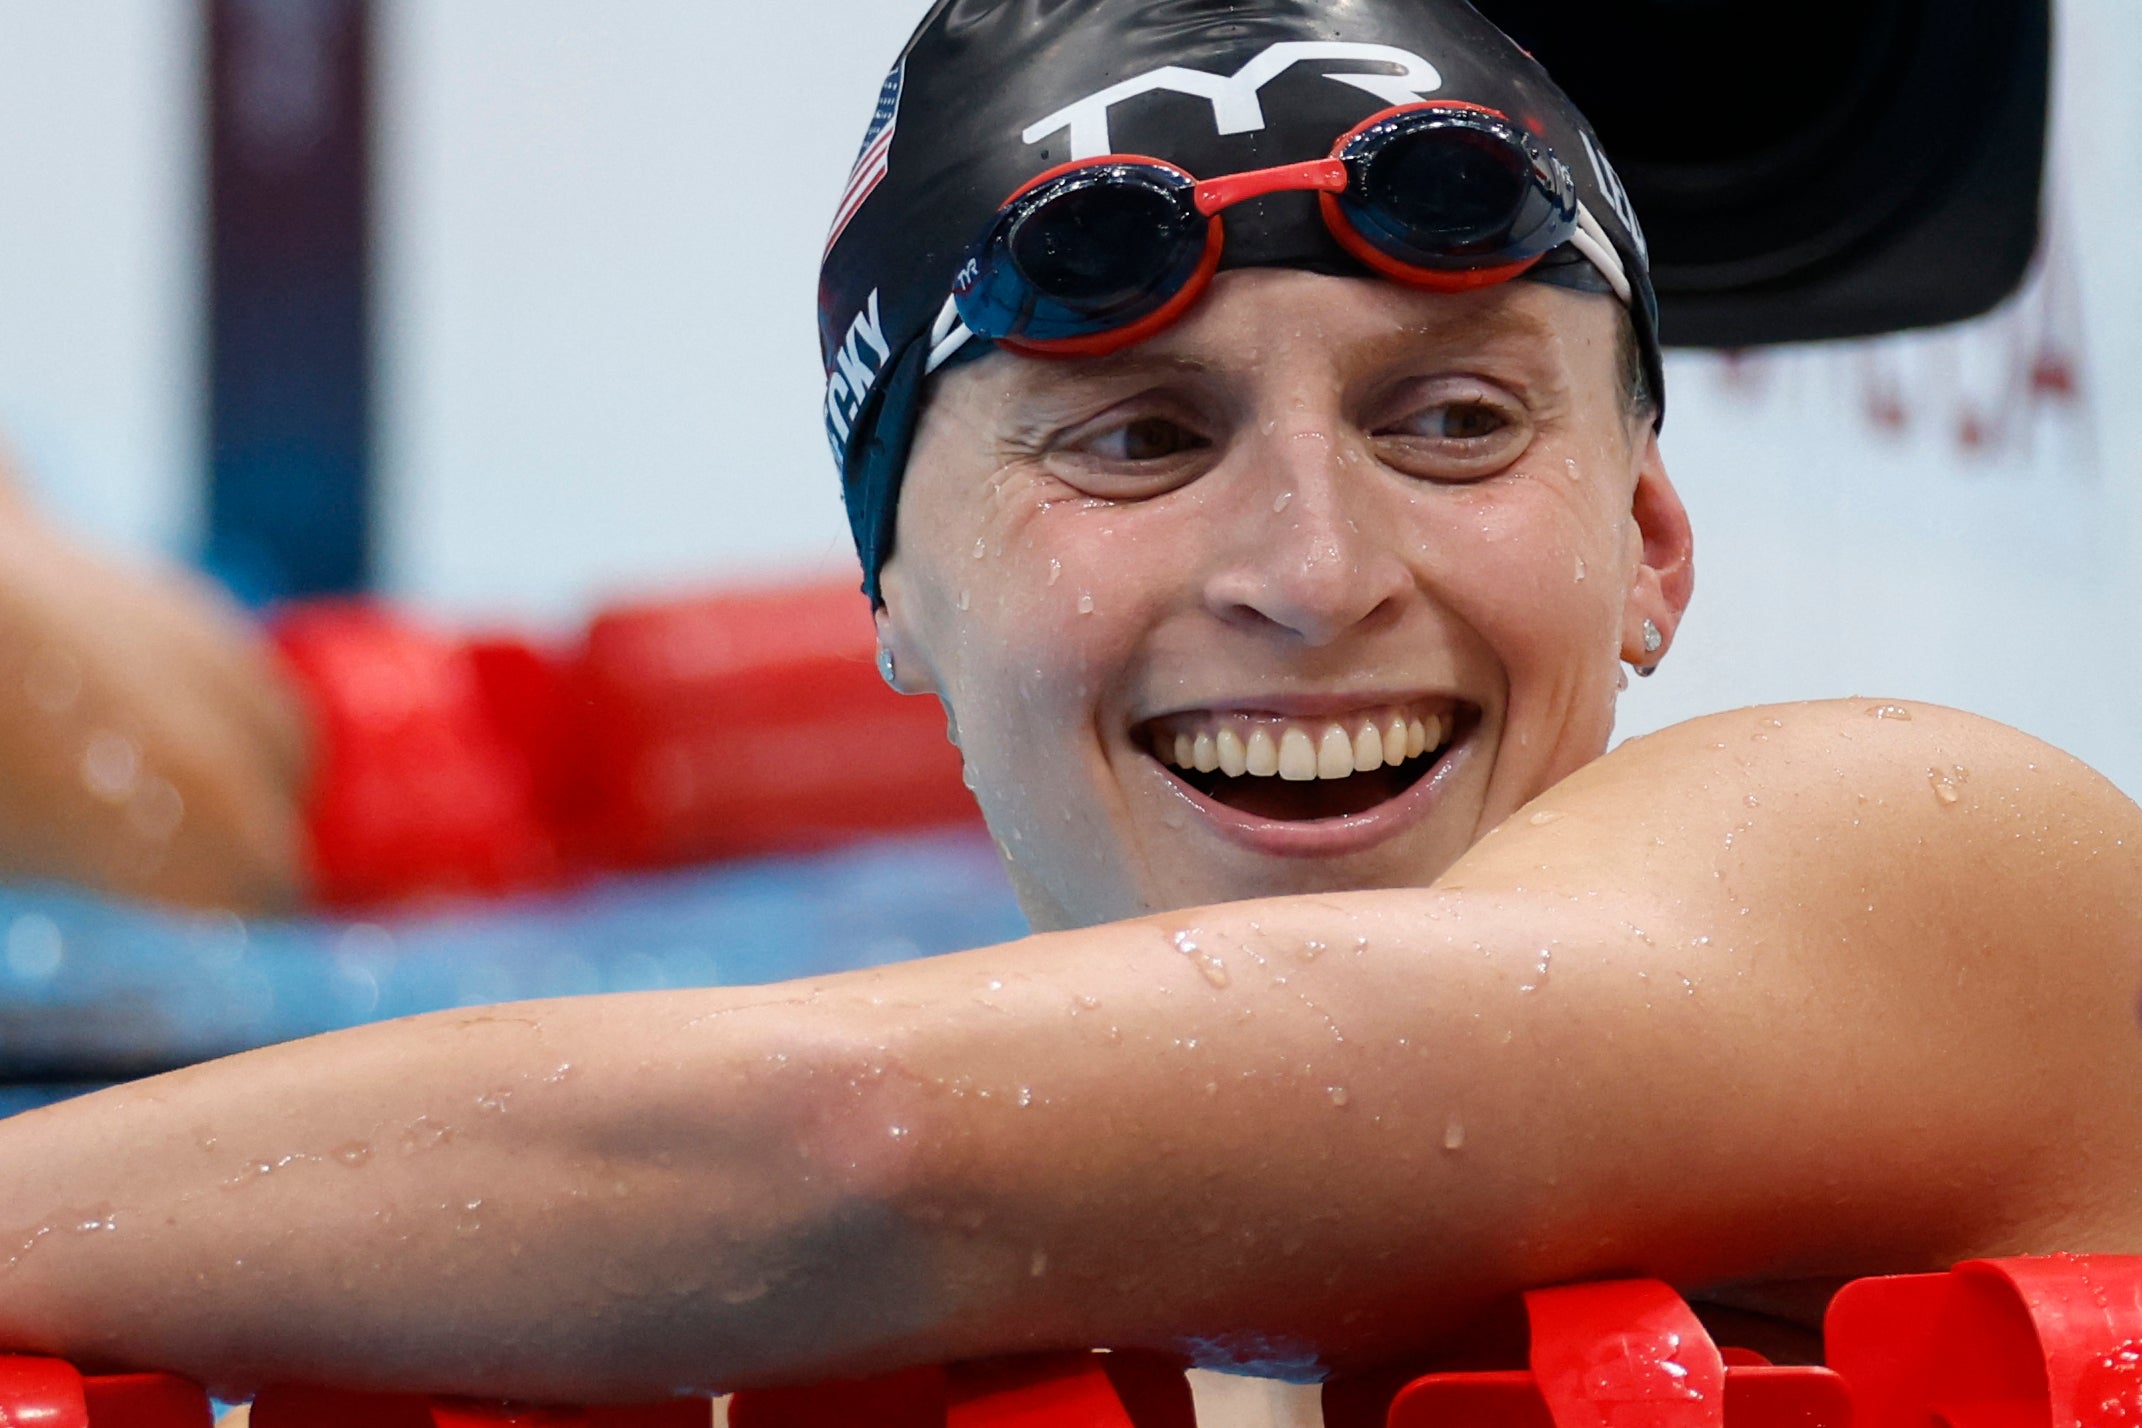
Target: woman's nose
[(1306, 554)]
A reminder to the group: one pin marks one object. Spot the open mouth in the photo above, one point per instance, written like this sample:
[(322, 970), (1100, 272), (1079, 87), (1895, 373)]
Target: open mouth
[(1302, 770)]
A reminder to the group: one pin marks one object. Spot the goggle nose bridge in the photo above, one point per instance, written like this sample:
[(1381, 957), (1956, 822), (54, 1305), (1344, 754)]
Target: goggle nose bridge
[(1328, 175)]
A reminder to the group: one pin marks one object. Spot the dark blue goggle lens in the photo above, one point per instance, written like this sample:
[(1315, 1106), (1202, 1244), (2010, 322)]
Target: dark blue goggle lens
[(1455, 190), (1094, 250)]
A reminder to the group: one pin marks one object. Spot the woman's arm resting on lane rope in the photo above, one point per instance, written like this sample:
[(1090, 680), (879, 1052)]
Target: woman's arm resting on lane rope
[(1752, 998)]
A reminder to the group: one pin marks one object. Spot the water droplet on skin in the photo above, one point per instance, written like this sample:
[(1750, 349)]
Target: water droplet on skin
[(1889, 711), (1621, 679), (1338, 1094), (981, 547), (1752, 801), (1085, 604), (1025, 1097), (1056, 571), (1569, 468), (1311, 950), (1544, 817), (353, 1154), (97, 1221), (1582, 571), (424, 1133), (1539, 971), (1210, 967), (1282, 501), (1454, 1136), (996, 984), (494, 1101), (966, 600), (1037, 1264), (1944, 783)]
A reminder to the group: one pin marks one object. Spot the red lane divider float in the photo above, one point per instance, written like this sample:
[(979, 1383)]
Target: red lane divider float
[(2054, 1342), (746, 721), (50, 1393), (1629, 1354), (288, 1407)]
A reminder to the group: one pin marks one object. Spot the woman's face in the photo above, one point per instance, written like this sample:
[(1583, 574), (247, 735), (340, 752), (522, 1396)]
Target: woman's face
[(1306, 593)]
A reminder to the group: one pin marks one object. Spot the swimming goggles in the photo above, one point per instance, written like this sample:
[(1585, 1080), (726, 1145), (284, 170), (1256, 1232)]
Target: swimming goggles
[(1101, 253)]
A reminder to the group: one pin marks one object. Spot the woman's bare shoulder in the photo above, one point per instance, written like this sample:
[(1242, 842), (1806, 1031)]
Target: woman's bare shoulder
[(1925, 921), (1897, 771), (1851, 829)]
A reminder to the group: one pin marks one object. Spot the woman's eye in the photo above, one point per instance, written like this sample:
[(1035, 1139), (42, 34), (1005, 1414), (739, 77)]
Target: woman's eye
[(1462, 439), (1469, 421), (1145, 439), (1458, 421)]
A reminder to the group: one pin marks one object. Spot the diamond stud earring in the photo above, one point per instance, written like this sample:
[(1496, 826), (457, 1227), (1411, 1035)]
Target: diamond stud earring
[(1653, 643)]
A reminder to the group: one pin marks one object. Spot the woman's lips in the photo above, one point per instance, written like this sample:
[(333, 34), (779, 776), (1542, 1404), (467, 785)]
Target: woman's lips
[(1275, 783)]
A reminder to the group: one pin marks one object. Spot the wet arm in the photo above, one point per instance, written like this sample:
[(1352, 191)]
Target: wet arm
[(1333, 1126)]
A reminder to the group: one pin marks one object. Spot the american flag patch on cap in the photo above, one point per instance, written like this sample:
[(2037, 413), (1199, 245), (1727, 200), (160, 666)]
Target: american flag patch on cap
[(871, 164)]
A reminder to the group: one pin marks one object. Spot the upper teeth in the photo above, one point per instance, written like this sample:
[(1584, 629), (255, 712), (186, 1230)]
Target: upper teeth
[(1299, 750)]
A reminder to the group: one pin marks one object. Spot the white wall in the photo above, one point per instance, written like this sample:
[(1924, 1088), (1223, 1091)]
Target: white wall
[(601, 247), (99, 262)]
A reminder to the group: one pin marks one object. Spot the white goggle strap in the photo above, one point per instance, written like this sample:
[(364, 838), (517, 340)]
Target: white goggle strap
[(947, 335), (1591, 240)]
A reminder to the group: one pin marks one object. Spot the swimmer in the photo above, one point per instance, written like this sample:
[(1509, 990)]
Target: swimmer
[(148, 745), (1278, 561)]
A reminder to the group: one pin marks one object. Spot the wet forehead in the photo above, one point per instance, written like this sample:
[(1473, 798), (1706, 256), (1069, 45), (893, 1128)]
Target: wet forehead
[(1256, 319)]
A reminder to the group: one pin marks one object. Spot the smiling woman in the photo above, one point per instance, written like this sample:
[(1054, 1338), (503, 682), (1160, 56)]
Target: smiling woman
[(1281, 621), (1319, 519)]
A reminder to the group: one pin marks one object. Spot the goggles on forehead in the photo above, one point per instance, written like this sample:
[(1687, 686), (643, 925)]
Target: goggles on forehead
[(1098, 254)]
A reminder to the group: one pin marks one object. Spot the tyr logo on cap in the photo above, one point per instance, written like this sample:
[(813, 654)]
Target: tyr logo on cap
[(1236, 108)]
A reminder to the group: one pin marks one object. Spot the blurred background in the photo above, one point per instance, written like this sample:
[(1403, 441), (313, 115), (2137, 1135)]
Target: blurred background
[(593, 234), (554, 263)]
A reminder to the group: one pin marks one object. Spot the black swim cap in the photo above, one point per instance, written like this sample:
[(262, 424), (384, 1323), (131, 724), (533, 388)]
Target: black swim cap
[(990, 93)]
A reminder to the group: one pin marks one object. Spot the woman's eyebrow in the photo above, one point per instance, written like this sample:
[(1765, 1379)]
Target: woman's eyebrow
[(1504, 323), (1044, 375)]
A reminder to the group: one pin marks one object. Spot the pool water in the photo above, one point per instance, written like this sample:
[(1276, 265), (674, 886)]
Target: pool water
[(93, 990)]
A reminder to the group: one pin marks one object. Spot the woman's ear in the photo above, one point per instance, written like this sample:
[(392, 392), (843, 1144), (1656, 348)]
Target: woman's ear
[(900, 657), (1665, 574)]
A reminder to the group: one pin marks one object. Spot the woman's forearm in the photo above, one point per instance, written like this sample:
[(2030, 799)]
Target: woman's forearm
[(1323, 1128), (578, 1200)]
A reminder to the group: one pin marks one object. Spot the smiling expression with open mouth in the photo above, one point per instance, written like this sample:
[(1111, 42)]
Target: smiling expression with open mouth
[(1305, 594)]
